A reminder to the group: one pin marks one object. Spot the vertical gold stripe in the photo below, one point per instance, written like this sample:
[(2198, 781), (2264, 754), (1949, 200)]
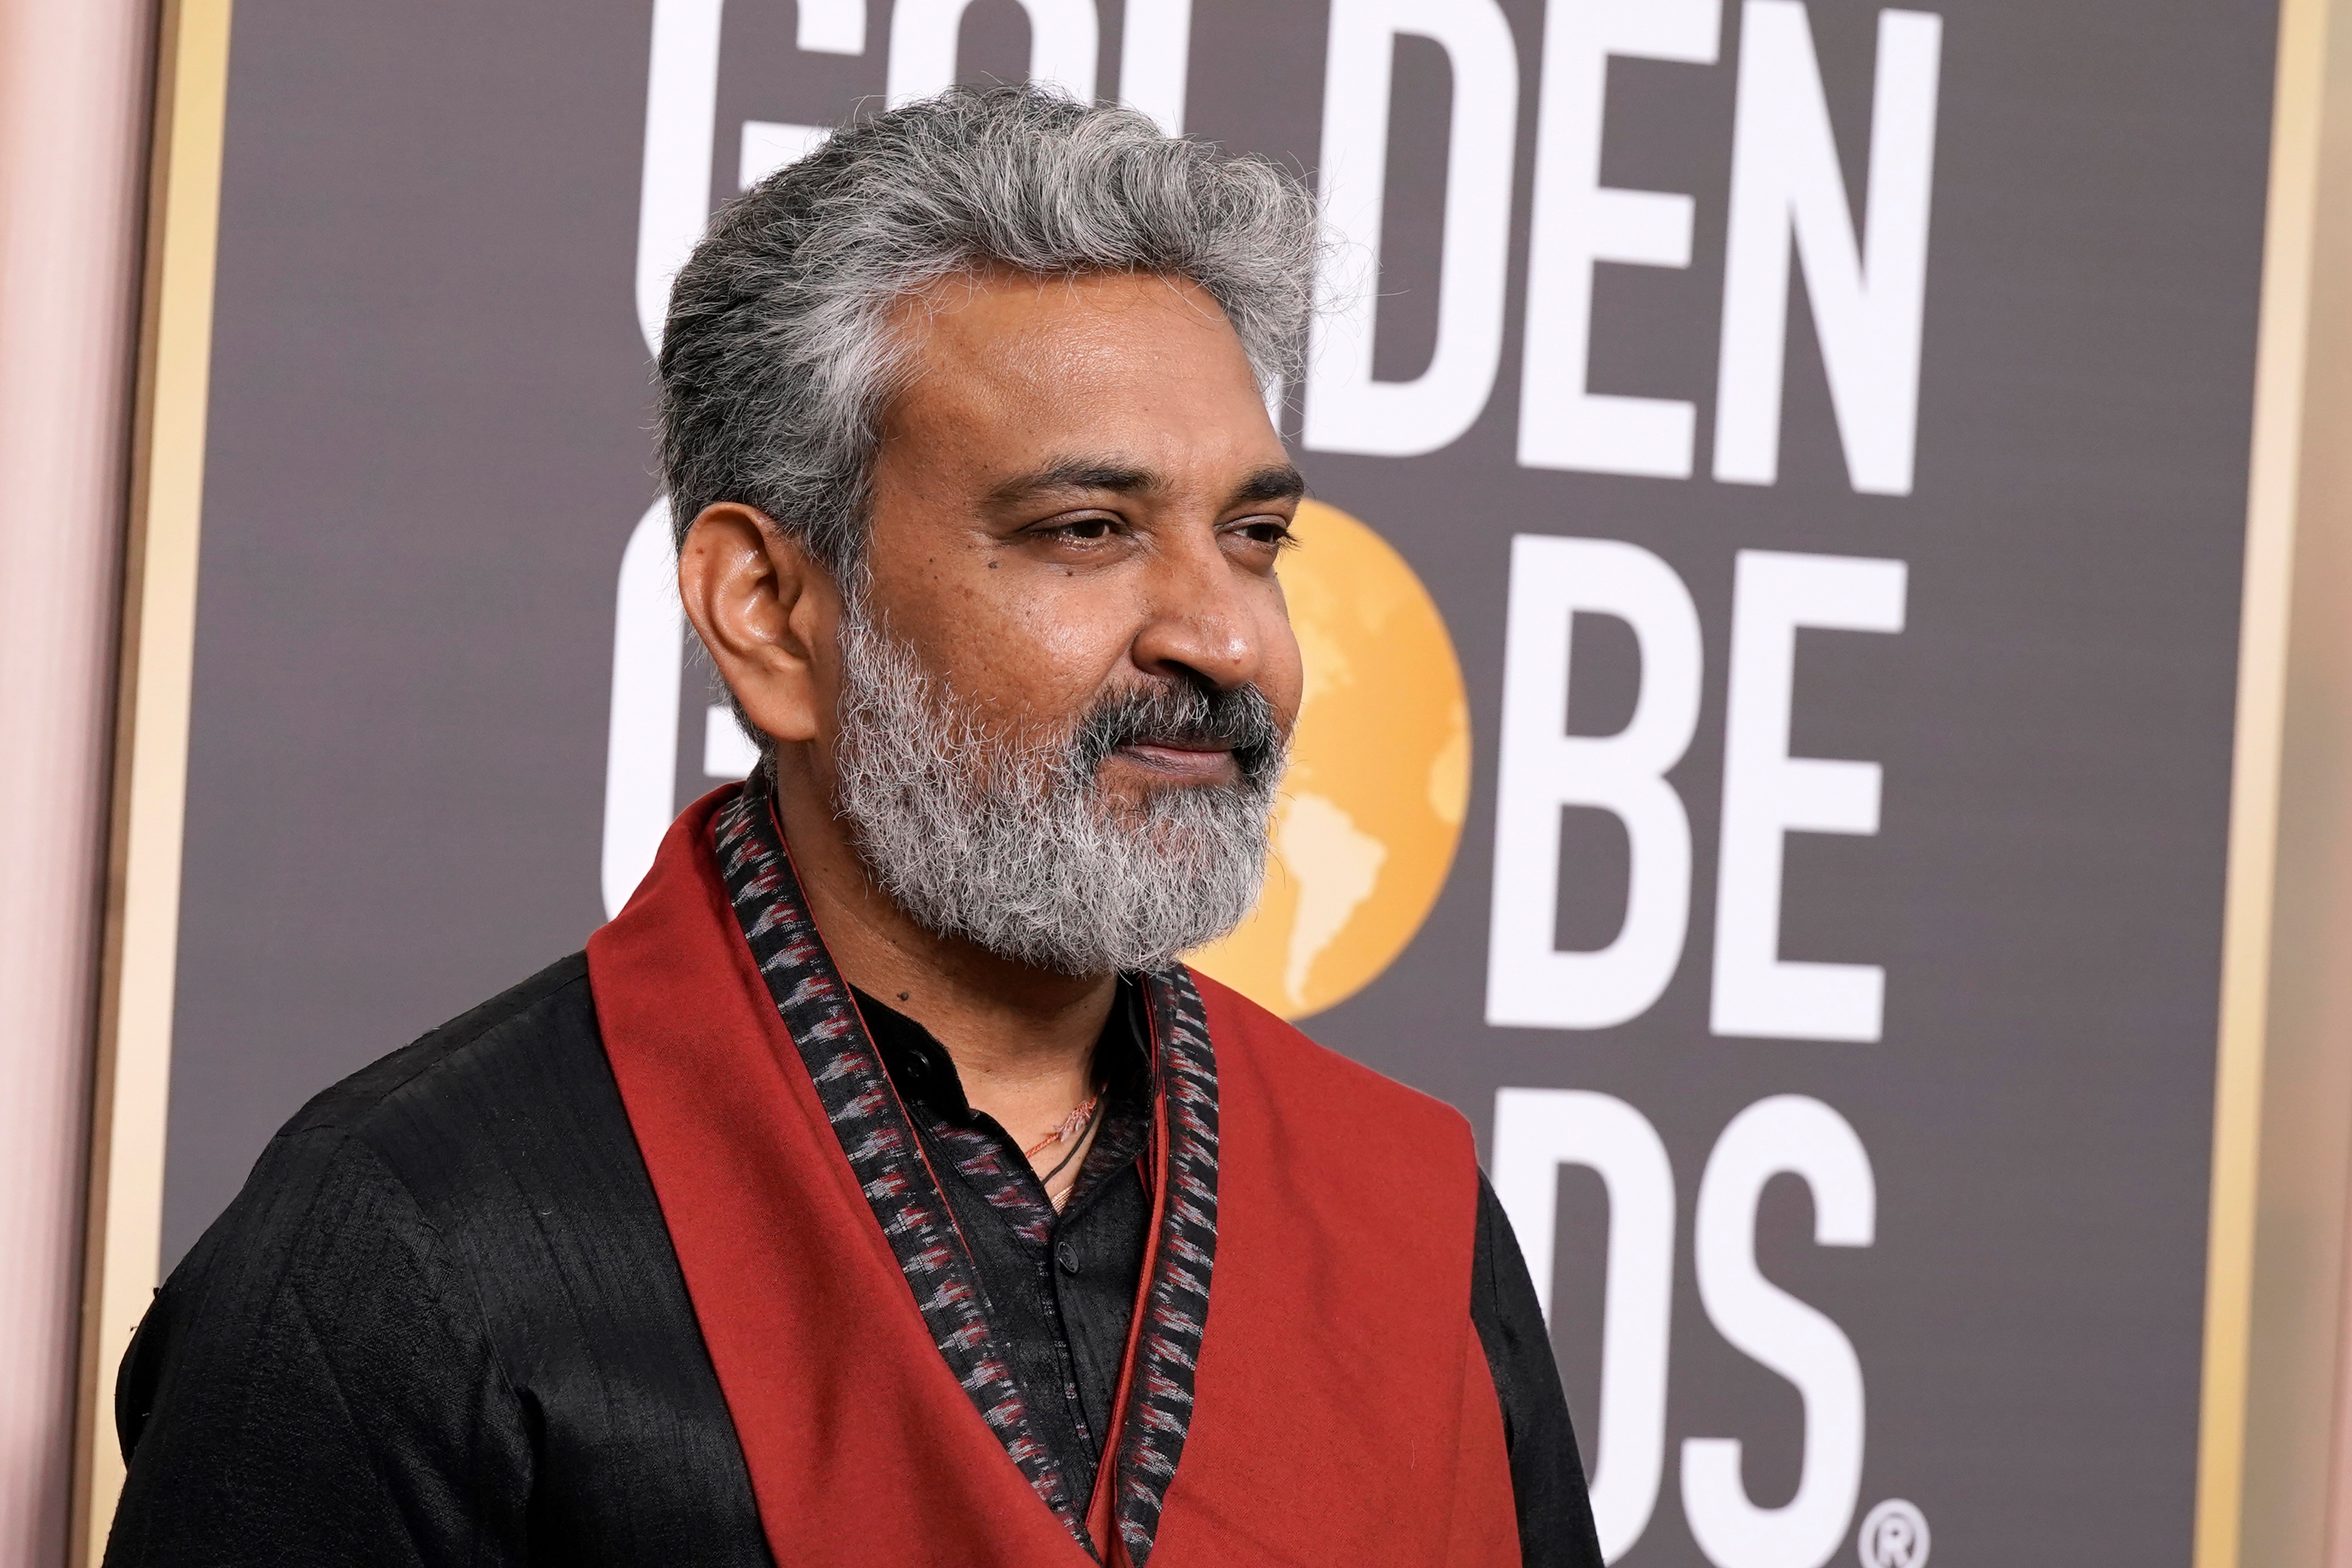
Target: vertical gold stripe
[(122, 1253), (2279, 378)]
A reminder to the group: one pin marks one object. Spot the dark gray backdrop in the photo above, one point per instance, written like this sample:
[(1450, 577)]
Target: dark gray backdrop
[(429, 439)]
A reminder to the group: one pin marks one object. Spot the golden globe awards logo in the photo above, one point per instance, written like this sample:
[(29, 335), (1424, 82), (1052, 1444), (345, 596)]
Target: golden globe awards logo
[(1370, 817)]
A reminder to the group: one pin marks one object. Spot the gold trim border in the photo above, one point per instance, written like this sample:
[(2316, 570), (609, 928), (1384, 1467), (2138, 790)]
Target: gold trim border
[(2273, 502), (123, 1240)]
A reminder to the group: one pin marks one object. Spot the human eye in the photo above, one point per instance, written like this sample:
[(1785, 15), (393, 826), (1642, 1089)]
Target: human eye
[(1074, 535), (1265, 531)]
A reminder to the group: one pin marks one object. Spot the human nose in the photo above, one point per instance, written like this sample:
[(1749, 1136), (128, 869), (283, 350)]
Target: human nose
[(1202, 621)]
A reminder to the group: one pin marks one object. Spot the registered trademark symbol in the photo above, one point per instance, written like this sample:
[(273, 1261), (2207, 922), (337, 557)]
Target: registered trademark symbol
[(1893, 1535)]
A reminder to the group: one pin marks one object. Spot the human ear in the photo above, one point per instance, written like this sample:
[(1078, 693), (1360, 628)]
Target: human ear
[(761, 605)]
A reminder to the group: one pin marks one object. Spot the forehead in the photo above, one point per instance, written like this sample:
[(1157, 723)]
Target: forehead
[(1122, 353)]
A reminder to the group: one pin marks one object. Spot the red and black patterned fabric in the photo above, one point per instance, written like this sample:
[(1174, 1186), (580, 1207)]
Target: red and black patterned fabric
[(1062, 1281), (1176, 1309), (883, 1151), (1303, 1384)]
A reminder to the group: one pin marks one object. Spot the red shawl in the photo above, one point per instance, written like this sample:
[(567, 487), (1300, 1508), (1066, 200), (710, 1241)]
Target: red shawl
[(1341, 1410)]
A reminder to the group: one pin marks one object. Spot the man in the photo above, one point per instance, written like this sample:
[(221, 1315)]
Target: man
[(879, 1187)]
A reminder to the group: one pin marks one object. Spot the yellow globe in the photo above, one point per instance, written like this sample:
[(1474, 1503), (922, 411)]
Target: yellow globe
[(1365, 828)]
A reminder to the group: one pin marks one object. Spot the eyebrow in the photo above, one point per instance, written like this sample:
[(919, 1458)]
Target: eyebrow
[(1277, 482), (1077, 474)]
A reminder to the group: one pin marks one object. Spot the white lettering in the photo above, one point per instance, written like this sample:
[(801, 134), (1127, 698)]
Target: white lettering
[(770, 144), (1578, 221), (1347, 410), (831, 27), (1063, 38), (674, 189), (1767, 795), (1536, 1130), (1867, 298), (681, 107), (641, 739), (1794, 1134), (1543, 769), (1155, 52), (727, 751)]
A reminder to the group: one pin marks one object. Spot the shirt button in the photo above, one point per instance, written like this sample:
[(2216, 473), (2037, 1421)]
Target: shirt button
[(1068, 1257)]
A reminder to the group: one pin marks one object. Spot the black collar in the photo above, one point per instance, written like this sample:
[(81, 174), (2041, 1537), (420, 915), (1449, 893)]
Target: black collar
[(924, 1072)]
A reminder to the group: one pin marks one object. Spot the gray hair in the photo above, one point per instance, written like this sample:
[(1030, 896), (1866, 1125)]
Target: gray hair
[(778, 354)]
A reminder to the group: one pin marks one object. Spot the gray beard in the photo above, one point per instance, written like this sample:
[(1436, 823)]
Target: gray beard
[(1016, 847)]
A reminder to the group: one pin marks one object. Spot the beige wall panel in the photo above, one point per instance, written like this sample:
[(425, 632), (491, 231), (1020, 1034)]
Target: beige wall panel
[(130, 1084), (73, 114)]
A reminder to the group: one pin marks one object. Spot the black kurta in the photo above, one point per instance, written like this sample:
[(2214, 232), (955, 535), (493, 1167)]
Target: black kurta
[(443, 1323)]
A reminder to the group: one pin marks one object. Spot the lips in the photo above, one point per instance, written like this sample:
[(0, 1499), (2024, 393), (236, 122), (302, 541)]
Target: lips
[(1190, 746), (1180, 758)]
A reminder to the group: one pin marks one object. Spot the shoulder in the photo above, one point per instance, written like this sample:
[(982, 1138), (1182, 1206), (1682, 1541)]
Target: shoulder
[(1250, 1040), (420, 1170), (518, 1025), (456, 1116), (349, 1216)]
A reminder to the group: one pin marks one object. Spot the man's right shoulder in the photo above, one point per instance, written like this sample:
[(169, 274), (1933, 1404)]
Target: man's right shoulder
[(520, 1027), (378, 1209), (508, 1085)]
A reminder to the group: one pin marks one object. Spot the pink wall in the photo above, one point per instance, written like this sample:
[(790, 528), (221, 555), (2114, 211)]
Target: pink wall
[(73, 113)]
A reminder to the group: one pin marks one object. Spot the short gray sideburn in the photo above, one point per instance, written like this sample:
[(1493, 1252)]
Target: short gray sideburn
[(778, 355)]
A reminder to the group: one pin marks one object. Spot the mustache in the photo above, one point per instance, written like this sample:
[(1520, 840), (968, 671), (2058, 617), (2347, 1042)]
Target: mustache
[(1187, 714)]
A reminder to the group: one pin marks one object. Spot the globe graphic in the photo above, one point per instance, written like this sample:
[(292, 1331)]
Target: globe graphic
[(1366, 824)]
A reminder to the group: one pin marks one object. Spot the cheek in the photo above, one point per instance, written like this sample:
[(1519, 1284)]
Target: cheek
[(1032, 659)]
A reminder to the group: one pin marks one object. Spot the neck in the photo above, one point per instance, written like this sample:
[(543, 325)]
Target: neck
[(1023, 1038)]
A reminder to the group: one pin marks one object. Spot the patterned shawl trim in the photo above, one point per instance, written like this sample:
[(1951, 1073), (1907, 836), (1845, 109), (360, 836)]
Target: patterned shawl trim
[(888, 1163)]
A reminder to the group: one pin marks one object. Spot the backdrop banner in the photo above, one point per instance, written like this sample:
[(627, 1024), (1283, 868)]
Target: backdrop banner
[(1771, 611)]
